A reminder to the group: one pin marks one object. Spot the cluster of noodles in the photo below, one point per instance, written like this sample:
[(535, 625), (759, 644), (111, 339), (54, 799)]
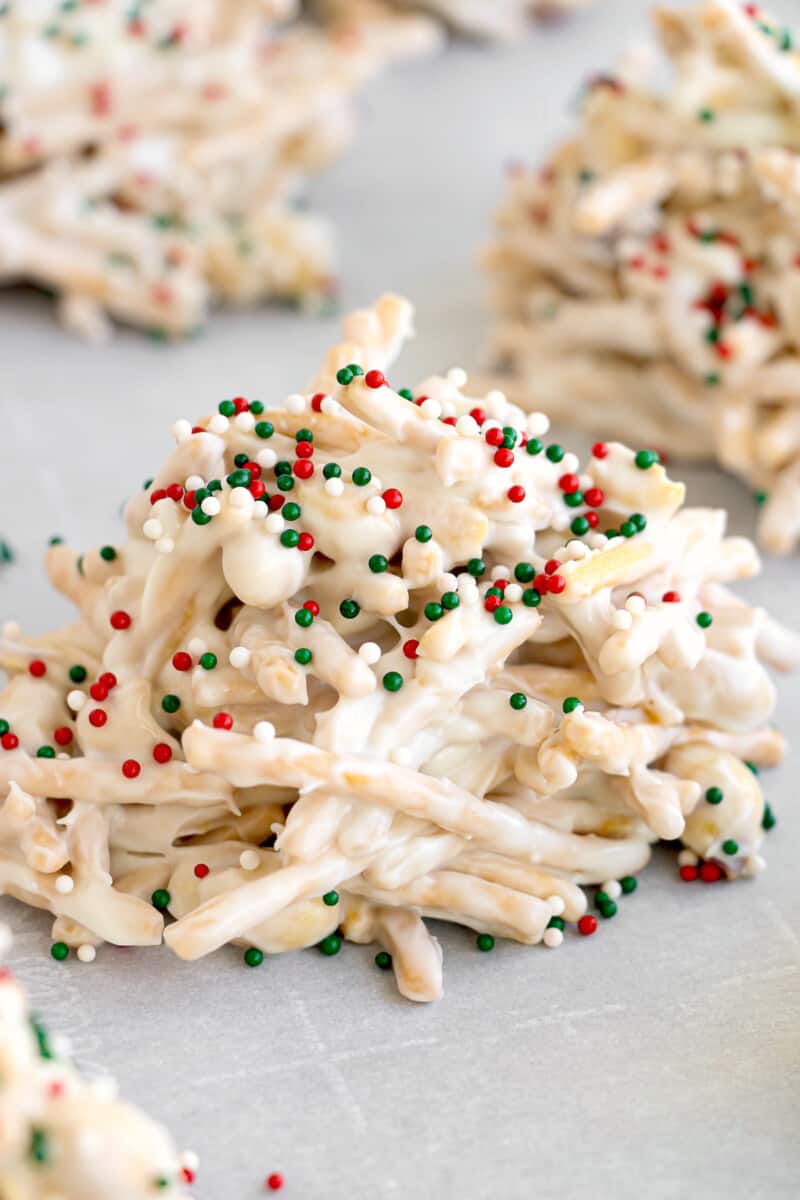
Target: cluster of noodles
[(64, 1137), (371, 656), (149, 154), (647, 279)]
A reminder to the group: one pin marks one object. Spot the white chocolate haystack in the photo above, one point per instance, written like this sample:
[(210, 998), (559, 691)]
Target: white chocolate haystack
[(366, 658), (496, 19), (647, 279), (150, 152), (63, 1137)]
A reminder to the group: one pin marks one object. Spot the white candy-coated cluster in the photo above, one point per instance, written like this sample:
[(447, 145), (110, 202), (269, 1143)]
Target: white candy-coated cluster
[(291, 738), (647, 279), (63, 1137), (149, 154)]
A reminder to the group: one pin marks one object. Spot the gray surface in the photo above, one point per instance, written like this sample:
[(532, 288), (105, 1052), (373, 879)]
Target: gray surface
[(657, 1059)]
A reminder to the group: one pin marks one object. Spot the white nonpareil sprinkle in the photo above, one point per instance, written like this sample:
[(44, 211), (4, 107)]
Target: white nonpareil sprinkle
[(431, 409), (264, 731), (370, 652), (457, 376), (295, 403), (76, 700), (64, 884), (448, 408), (266, 458), (245, 421), (446, 582), (165, 545), (537, 424), (334, 487), (500, 572), (275, 523), (622, 620), (687, 858), (86, 953), (211, 506), (239, 657), (467, 589), (197, 647), (241, 498), (330, 406), (467, 426), (569, 464), (182, 429), (63, 754), (188, 1158), (192, 482), (597, 541), (218, 423), (636, 605), (376, 506), (496, 403), (153, 529), (552, 938), (612, 888), (260, 510), (513, 593), (249, 860), (557, 905)]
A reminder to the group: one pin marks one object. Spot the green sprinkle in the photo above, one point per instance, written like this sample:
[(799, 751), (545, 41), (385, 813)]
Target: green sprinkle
[(227, 408), (349, 609), (59, 541), (531, 598), (646, 459), (304, 435), (524, 572), (579, 526), (79, 564), (608, 910), (289, 538), (303, 656), (378, 564), (503, 615), (573, 499), (570, 704), (484, 942), (602, 898), (714, 795), (706, 115), (760, 496), (330, 945), (585, 175), (45, 752), (256, 408), (433, 610), (199, 517), (629, 884), (769, 820), (704, 619), (161, 1182), (213, 485), (331, 470), (628, 529), (476, 567), (555, 452), (39, 1150), (751, 766), (208, 661), (285, 483), (534, 446), (240, 478), (393, 681), (160, 899), (108, 553), (518, 700), (640, 521), (282, 467), (344, 376), (730, 846), (303, 618), (494, 591), (253, 957), (712, 379), (406, 393), (291, 511), (77, 673), (240, 459), (355, 369), (383, 960), (362, 476), (556, 923), (170, 703), (59, 951), (423, 533), (612, 533), (450, 601), (331, 899), (4, 727), (264, 429)]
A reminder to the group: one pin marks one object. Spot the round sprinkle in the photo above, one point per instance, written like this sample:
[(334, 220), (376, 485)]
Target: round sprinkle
[(383, 960), (131, 768), (645, 459), (77, 673), (484, 942), (555, 452), (555, 923), (628, 883), (531, 598), (59, 951), (208, 661), (330, 945), (86, 953), (275, 1181), (450, 600), (378, 563), (476, 567), (704, 619), (264, 429), (349, 609), (331, 470), (714, 795), (433, 610), (253, 957), (201, 870), (222, 720), (570, 704), (303, 618), (587, 925), (108, 553), (37, 668), (45, 752), (120, 619), (423, 533), (160, 899), (331, 899), (503, 615), (362, 476), (392, 681), (730, 846), (518, 700), (162, 753)]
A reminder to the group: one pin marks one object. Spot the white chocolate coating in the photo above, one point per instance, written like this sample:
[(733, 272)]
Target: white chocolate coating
[(646, 280), (285, 721), (496, 19), (61, 1136)]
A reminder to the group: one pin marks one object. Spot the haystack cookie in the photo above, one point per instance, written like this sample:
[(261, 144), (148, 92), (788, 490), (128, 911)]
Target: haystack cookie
[(376, 654), (646, 279), (150, 153), (63, 1137)]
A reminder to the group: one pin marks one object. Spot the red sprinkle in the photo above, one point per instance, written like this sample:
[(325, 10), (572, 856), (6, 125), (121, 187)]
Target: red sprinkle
[(108, 680), (316, 401), (593, 519), (98, 717), (304, 450), (275, 1182), (98, 691), (494, 436), (223, 720), (62, 735), (551, 566), (189, 500), (312, 607), (255, 469), (187, 1174), (540, 583), (710, 872), (594, 497), (569, 483), (240, 404), (175, 492), (162, 753), (479, 414), (201, 870), (9, 741), (491, 603), (688, 873), (504, 457), (303, 469), (305, 542), (131, 768), (410, 648), (257, 489), (516, 494), (161, 494), (37, 668), (374, 379), (671, 597), (599, 450), (392, 498), (556, 584), (55, 1090), (120, 619), (587, 925), (449, 421), (276, 502), (182, 661)]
